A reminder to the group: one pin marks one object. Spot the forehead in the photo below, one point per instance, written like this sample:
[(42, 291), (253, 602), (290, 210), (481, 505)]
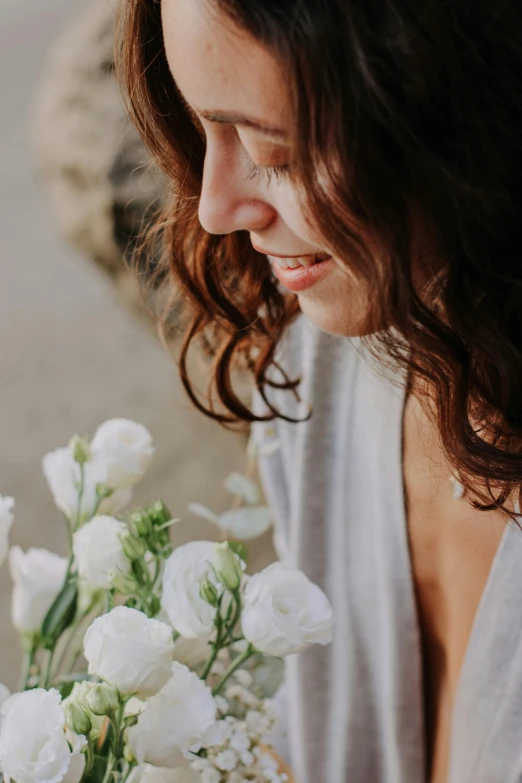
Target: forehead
[(218, 66)]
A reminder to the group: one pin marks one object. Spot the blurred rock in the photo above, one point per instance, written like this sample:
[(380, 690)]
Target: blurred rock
[(101, 184)]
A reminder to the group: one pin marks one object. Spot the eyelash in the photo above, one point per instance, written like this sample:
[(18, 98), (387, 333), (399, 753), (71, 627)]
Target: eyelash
[(279, 172)]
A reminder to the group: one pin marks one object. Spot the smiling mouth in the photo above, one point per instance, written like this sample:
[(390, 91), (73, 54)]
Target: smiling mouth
[(300, 261)]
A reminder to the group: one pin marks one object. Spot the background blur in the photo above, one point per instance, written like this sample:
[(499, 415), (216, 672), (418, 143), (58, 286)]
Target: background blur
[(76, 349)]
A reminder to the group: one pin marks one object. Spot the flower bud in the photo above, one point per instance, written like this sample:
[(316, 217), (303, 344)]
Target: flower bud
[(228, 566), (133, 547), (209, 593), (103, 491), (130, 720), (160, 513), (103, 699), (123, 583), (129, 756), (142, 523), (76, 719), (80, 449)]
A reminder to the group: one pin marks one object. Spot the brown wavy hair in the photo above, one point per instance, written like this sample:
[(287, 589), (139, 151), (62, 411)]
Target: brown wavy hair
[(411, 112)]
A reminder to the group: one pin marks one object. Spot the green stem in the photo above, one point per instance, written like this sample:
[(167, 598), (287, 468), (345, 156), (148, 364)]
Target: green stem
[(215, 649), (68, 528), (236, 663), (81, 489), (116, 749), (45, 670), (26, 668), (118, 733), (144, 575), (127, 769), (97, 506), (89, 761), (109, 602), (157, 572), (111, 763), (237, 614)]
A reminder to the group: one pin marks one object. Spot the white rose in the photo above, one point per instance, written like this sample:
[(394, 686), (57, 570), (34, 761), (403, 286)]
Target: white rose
[(130, 650), (127, 450), (174, 722), (187, 567), (38, 576), (284, 612), (63, 475), (34, 747), (98, 550), (6, 520)]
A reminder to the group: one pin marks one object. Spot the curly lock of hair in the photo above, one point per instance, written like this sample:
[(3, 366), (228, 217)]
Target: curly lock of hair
[(413, 120)]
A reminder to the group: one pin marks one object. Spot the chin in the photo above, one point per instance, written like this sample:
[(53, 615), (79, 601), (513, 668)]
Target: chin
[(343, 312)]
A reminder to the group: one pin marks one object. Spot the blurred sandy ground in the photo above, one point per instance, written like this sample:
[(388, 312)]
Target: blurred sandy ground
[(71, 354)]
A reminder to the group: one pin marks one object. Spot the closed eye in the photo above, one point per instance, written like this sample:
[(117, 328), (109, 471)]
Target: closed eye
[(267, 172)]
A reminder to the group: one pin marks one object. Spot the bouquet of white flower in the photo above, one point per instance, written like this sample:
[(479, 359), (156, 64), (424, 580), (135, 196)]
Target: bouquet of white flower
[(182, 648)]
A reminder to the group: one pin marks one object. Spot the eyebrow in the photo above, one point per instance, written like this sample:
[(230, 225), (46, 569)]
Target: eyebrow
[(234, 118)]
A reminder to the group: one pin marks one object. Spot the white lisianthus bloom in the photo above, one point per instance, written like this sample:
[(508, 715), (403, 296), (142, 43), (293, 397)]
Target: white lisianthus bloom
[(127, 450), (63, 473), (208, 773), (187, 567), (191, 652), (243, 523), (130, 650), (6, 520), (77, 764), (34, 746), (98, 550), (243, 486), (38, 576), (174, 722), (5, 694), (284, 612), (146, 773)]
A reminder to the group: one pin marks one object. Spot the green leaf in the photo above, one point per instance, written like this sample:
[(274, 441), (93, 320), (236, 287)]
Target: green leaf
[(154, 606), (239, 549), (60, 615), (97, 772)]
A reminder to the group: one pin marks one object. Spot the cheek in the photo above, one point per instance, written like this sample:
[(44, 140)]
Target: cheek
[(288, 203)]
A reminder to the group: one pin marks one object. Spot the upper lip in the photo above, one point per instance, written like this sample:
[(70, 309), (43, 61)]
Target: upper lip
[(279, 255)]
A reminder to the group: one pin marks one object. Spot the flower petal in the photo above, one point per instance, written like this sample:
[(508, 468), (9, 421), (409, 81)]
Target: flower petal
[(247, 522)]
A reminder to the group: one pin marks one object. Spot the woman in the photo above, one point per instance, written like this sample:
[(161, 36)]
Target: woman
[(346, 228)]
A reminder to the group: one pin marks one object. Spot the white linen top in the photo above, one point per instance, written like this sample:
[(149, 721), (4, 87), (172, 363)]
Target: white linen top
[(336, 489)]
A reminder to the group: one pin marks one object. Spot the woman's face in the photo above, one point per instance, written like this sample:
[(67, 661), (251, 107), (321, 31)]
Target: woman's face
[(238, 93)]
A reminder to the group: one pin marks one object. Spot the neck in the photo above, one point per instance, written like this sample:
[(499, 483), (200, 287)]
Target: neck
[(429, 470)]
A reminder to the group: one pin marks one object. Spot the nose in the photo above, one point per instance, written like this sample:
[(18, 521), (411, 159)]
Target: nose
[(230, 200)]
